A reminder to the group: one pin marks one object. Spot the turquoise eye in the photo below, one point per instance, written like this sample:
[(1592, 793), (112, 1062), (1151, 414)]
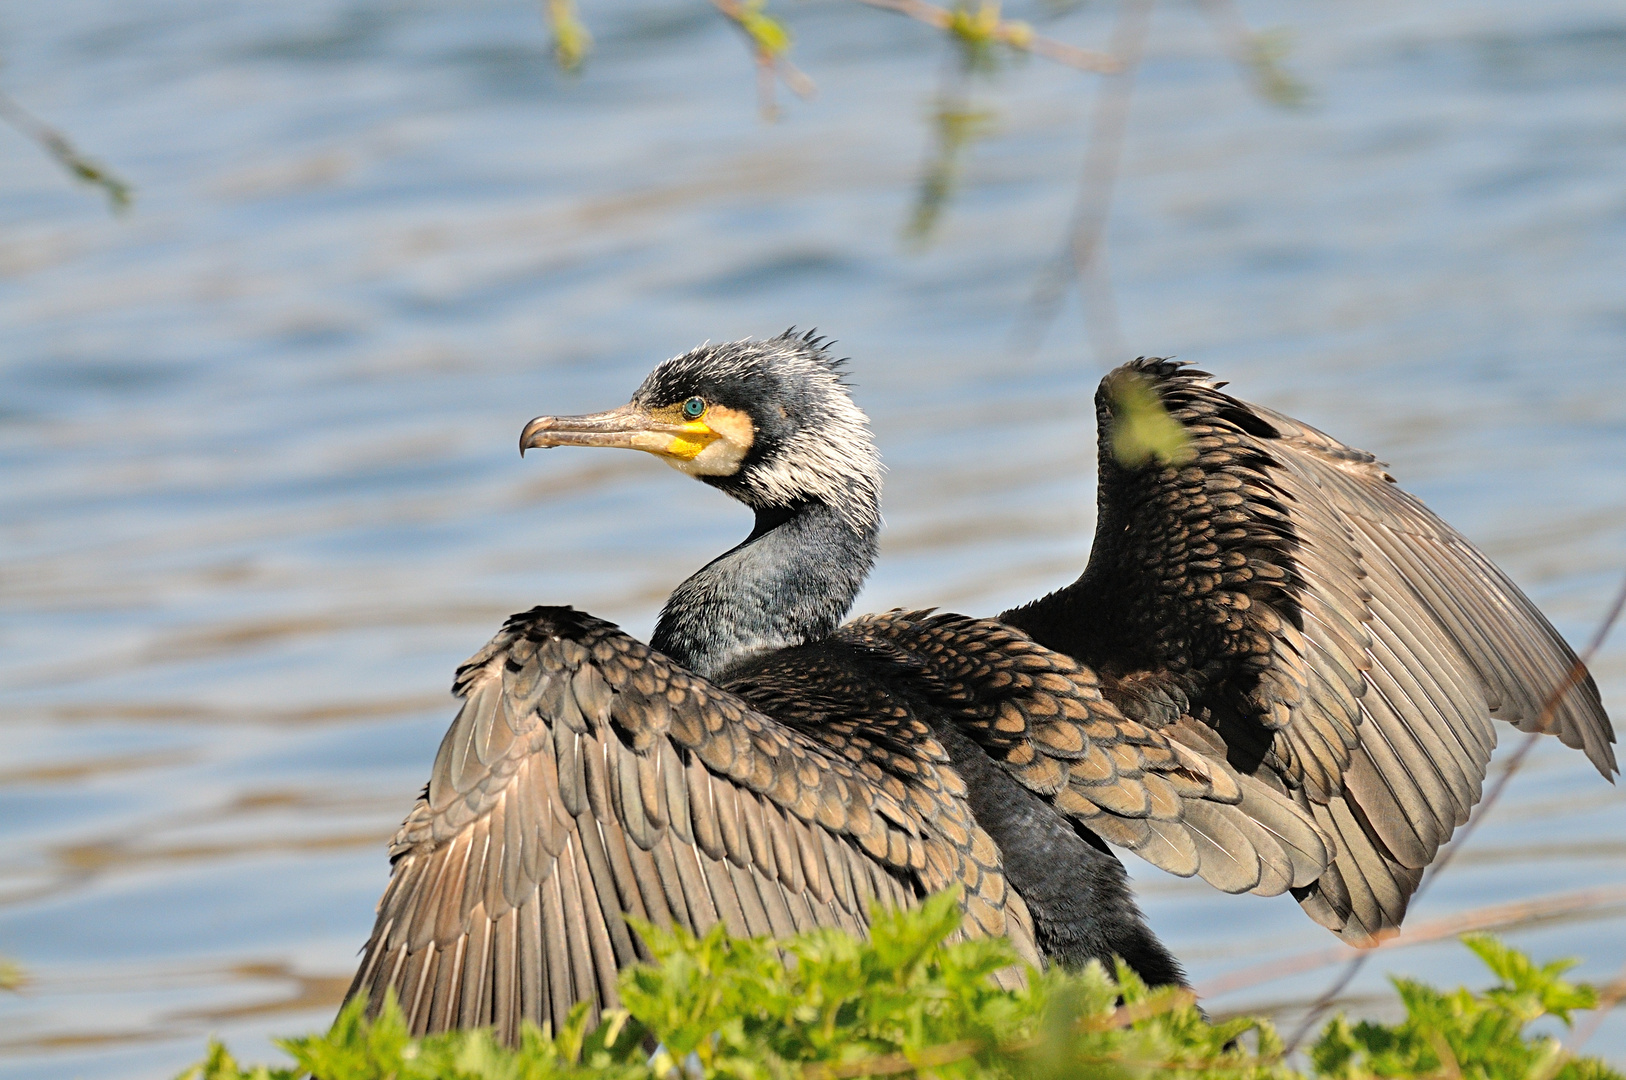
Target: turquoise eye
[(694, 407)]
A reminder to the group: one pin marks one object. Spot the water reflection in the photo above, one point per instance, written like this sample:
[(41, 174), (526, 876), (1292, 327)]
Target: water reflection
[(260, 491)]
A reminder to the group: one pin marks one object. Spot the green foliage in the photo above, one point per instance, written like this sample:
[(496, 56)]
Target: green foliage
[(978, 29), (12, 977), (358, 1049), (908, 1002), (745, 1012), (1466, 1035)]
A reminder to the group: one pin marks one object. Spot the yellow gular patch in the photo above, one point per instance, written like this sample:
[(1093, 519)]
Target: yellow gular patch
[(731, 434), (691, 441), (680, 438)]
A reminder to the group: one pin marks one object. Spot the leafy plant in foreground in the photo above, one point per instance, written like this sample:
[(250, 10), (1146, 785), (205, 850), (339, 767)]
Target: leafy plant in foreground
[(908, 1002), (1463, 1034)]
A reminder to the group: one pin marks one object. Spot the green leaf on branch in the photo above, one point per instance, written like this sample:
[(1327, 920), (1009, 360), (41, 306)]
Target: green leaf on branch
[(1463, 1034), (1529, 991), (767, 34), (977, 30)]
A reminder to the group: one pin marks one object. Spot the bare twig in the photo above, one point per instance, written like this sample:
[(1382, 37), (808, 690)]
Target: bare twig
[(768, 42), (1609, 995), (1449, 1069), (1082, 259), (66, 154), (1016, 35), (893, 1064), (1485, 918), (1125, 1015), (974, 27), (1571, 679), (1331, 994)]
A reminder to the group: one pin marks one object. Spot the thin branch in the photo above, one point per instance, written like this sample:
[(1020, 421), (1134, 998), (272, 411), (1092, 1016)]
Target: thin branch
[(1609, 995), (66, 154), (893, 1064), (1485, 918), (1016, 35), (1125, 1015), (768, 42), (1572, 678), (1082, 259)]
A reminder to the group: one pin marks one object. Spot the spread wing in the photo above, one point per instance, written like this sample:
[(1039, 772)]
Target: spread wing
[(1347, 646), (1163, 793), (587, 776)]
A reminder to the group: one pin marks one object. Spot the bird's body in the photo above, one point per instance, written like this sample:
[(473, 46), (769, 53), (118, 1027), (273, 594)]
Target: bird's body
[(1278, 672)]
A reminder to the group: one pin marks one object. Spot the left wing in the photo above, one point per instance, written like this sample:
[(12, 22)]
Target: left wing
[(1343, 644)]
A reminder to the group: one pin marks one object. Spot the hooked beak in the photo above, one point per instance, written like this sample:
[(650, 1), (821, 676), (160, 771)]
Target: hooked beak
[(631, 427)]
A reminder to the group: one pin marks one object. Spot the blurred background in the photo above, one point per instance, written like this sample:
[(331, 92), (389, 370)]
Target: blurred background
[(258, 486)]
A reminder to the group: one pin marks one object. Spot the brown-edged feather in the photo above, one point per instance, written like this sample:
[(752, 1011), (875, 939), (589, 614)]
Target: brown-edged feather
[(1344, 644)]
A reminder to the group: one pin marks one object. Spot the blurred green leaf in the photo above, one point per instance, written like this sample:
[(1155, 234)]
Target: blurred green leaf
[(766, 33), (571, 40), (955, 128), (1142, 429), (978, 29), (1266, 51)]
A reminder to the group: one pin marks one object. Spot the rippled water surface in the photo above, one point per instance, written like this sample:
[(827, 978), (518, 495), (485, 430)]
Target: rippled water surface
[(258, 488)]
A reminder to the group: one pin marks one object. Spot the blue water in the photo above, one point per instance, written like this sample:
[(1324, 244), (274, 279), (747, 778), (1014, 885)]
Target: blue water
[(258, 488)]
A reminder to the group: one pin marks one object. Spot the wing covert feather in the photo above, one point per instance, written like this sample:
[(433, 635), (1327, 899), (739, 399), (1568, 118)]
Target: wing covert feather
[(1041, 715)]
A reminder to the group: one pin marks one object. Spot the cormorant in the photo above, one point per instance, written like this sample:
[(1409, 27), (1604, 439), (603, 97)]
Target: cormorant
[(1278, 671)]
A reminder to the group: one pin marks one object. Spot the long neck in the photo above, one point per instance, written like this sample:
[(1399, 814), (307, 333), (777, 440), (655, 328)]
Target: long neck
[(790, 582)]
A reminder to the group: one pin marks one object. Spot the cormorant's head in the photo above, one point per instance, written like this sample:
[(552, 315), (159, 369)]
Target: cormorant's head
[(769, 422)]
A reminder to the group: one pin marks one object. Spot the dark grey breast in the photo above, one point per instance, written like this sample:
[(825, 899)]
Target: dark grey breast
[(1338, 641)]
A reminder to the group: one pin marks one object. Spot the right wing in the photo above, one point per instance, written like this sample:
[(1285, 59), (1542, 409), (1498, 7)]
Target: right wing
[(587, 776)]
